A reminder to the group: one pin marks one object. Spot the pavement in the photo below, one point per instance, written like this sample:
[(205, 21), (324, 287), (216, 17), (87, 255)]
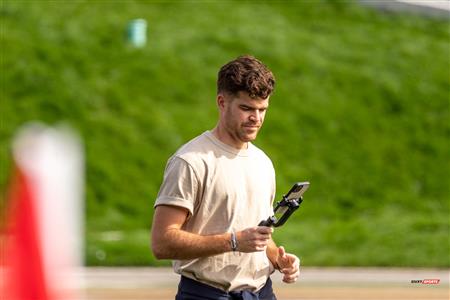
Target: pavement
[(429, 8), (315, 283), (155, 277)]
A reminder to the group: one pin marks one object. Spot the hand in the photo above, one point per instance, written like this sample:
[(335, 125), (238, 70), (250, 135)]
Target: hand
[(289, 265), (254, 238)]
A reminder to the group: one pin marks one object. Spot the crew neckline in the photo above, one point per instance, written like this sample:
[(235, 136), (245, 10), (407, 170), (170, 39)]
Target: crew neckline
[(226, 147)]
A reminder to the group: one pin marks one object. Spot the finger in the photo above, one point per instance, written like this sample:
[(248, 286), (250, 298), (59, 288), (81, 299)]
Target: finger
[(289, 271), (263, 236), (260, 245), (261, 248), (281, 252), (291, 265), (264, 230), (263, 244), (290, 279), (291, 259)]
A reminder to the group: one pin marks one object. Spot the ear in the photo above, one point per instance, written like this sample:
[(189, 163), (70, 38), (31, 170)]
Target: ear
[(221, 101)]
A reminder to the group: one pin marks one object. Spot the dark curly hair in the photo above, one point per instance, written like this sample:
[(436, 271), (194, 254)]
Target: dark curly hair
[(246, 74)]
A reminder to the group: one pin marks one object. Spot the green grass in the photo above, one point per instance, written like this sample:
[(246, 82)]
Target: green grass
[(361, 109)]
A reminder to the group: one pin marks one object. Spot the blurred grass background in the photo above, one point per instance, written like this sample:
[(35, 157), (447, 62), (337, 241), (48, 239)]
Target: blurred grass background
[(361, 109)]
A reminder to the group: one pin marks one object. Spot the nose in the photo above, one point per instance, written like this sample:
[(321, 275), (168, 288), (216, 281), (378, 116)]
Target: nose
[(255, 116)]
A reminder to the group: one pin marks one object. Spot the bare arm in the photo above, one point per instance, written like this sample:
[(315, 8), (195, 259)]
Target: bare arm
[(169, 241), (272, 253)]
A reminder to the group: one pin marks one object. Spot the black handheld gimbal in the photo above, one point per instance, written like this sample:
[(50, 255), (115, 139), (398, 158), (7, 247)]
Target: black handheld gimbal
[(290, 203)]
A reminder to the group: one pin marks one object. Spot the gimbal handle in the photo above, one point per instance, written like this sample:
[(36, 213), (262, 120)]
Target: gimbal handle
[(289, 207)]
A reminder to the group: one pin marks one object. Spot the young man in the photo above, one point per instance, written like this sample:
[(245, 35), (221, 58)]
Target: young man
[(216, 189)]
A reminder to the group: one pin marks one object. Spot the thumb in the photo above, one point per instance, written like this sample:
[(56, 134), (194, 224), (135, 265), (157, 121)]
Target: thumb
[(281, 252)]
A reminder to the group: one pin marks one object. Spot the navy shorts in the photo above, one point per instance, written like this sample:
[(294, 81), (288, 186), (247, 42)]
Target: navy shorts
[(190, 289)]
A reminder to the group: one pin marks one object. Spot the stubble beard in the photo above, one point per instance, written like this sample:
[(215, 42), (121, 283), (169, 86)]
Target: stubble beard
[(247, 134)]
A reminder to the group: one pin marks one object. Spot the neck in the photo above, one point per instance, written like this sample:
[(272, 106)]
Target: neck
[(222, 135)]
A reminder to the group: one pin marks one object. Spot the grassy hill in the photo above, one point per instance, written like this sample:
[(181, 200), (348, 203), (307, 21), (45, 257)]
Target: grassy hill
[(361, 109)]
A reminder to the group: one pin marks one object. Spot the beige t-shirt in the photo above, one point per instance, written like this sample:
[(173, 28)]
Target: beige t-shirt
[(224, 189)]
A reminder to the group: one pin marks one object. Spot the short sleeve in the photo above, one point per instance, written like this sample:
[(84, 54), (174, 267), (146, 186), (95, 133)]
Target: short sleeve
[(274, 186), (180, 185)]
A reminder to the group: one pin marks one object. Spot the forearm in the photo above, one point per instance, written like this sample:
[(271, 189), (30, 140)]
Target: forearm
[(272, 253), (176, 243), (169, 241)]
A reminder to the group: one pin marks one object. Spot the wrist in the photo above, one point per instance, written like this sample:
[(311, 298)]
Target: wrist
[(276, 266)]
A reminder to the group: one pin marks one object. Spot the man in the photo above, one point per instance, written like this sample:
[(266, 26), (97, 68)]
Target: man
[(216, 189)]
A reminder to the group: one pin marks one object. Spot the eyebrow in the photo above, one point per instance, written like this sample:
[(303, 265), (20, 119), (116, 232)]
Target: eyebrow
[(245, 106)]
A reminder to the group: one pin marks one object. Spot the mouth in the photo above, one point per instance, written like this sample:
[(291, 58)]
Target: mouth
[(251, 126), (251, 130)]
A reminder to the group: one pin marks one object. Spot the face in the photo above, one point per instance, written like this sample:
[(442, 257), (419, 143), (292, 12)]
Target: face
[(241, 117)]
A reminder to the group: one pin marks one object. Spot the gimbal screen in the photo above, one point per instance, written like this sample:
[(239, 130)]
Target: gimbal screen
[(297, 191), (279, 212)]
